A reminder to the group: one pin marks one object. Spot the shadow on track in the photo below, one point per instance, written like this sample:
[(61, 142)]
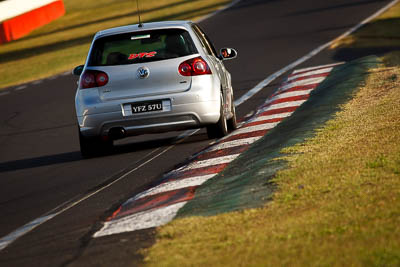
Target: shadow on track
[(76, 155)]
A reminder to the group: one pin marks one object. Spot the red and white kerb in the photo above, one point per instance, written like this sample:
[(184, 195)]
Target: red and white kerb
[(159, 205)]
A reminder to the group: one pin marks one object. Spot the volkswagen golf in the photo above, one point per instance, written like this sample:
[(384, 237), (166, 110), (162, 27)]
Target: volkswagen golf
[(152, 78)]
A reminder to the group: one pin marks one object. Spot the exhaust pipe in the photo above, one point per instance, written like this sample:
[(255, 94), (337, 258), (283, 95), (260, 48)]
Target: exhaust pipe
[(117, 133)]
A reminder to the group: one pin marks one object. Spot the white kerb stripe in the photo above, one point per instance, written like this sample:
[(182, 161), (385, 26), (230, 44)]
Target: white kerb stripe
[(301, 83), (174, 185), (271, 117), (317, 67), (284, 105), (310, 73), (140, 220), (207, 162), (234, 143), (288, 94), (264, 126)]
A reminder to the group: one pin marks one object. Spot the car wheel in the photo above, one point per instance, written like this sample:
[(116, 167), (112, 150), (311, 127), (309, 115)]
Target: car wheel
[(220, 129), (93, 146), (232, 122)]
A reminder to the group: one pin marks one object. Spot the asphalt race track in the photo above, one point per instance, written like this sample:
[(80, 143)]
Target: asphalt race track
[(42, 172)]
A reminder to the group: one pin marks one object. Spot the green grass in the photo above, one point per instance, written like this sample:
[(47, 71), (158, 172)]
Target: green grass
[(338, 203), (64, 43)]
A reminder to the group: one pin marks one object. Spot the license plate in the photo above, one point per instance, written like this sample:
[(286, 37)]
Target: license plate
[(150, 106)]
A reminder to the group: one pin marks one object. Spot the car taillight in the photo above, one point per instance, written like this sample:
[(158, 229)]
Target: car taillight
[(193, 67), (93, 78)]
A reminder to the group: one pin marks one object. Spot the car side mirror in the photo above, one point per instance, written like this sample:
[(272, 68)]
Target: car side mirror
[(78, 70), (227, 53)]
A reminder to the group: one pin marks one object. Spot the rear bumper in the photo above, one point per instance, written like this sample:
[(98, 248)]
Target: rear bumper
[(179, 117), (197, 107)]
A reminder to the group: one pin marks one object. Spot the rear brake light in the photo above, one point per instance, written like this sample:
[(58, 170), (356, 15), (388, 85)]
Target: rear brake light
[(193, 67), (93, 78)]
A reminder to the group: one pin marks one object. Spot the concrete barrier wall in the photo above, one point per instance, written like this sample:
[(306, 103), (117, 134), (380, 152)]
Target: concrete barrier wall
[(20, 17)]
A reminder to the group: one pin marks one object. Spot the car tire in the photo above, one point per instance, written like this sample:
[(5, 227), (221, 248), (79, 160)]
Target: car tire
[(232, 122), (220, 129), (93, 146)]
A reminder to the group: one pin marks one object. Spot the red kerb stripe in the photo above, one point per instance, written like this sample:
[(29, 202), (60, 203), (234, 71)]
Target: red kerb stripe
[(222, 152), (195, 172), (157, 201), (278, 110), (261, 122), (288, 99), (245, 135), (297, 88)]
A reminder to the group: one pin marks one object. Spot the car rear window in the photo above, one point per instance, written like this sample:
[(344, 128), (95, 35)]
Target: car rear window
[(139, 47)]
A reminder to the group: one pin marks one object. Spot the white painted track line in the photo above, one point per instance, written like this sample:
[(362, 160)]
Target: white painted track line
[(37, 82), (8, 239), (218, 11), (52, 77), (22, 87)]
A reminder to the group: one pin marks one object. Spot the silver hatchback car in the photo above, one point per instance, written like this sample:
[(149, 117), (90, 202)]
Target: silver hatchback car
[(152, 78)]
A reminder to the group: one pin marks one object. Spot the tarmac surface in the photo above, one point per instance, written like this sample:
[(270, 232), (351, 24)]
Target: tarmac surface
[(42, 172)]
